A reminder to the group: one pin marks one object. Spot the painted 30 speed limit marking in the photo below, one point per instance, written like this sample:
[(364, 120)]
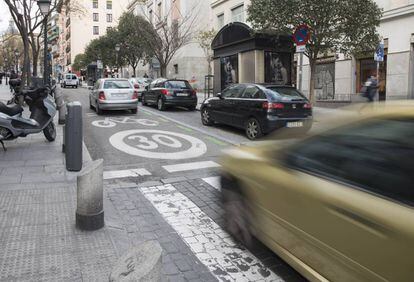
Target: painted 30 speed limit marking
[(111, 122), (155, 144)]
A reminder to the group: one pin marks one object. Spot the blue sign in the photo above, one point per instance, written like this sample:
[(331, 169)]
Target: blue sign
[(301, 35), (379, 53)]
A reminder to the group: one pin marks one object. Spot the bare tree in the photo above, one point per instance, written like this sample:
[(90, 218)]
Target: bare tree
[(204, 39), (28, 19), (168, 33)]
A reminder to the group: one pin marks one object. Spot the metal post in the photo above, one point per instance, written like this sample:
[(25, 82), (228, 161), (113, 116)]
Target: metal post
[(378, 65), (300, 70), (45, 64), (73, 137)]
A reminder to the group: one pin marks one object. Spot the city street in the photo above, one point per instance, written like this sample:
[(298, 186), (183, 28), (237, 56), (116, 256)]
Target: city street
[(173, 151)]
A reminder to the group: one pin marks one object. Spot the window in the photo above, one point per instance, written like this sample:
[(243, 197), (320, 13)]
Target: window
[(237, 14), (376, 156), (252, 92), (117, 84), (177, 84), (96, 30), (95, 4), (233, 91), (95, 17), (109, 18), (159, 11), (109, 5), (220, 21), (176, 68)]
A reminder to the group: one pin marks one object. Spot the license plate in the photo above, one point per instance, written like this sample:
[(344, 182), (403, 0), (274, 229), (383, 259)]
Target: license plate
[(294, 124), (181, 94), (119, 95)]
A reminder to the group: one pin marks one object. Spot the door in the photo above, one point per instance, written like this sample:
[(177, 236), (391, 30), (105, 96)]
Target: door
[(225, 110), (249, 104), (343, 203)]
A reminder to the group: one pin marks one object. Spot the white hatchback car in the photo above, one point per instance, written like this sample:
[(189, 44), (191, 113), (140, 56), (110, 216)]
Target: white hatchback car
[(71, 80), (113, 94)]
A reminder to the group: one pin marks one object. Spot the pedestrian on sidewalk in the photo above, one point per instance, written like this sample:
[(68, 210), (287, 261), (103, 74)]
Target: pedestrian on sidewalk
[(1, 77), (369, 90)]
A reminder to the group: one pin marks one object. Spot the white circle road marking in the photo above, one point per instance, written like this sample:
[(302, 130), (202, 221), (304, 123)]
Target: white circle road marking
[(198, 147)]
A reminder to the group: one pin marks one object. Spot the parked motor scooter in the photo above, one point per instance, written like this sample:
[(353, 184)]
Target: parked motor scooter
[(15, 85), (42, 109)]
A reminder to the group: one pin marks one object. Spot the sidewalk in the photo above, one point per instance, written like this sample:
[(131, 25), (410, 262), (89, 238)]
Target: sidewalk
[(38, 237)]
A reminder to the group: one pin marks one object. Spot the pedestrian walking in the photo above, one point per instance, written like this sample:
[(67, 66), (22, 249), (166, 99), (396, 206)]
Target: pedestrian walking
[(369, 90), (1, 77)]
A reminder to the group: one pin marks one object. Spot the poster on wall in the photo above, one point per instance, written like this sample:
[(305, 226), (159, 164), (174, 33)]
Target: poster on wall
[(229, 71), (278, 68), (325, 81)]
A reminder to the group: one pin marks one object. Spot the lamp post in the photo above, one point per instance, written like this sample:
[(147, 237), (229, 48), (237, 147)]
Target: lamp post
[(16, 55), (44, 6), (6, 61), (117, 49)]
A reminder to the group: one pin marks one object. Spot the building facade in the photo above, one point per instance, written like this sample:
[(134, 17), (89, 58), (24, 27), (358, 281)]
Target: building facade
[(339, 78), (88, 21), (189, 62)]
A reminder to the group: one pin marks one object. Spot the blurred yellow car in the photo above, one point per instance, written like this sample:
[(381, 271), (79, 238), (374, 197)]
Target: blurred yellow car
[(338, 205)]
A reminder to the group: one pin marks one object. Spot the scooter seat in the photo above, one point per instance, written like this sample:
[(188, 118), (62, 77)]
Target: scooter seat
[(10, 110)]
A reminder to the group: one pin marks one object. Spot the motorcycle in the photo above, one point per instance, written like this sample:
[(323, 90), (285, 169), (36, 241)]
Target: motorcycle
[(15, 85), (42, 108)]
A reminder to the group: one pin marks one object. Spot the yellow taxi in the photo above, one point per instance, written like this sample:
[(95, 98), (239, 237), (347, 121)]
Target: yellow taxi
[(337, 205)]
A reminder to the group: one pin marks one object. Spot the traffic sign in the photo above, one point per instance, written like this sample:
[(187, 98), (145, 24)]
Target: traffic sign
[(99, 64), (301, 35), (300, 48), (379, 53)]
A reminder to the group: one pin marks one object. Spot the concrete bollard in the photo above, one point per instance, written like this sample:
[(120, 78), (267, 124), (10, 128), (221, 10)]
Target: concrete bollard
[(63, 141), (141, 263), (89, 211), (60, 104)]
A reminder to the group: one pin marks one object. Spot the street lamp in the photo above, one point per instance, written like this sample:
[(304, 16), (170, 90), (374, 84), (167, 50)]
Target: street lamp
[(117, 49), (44, 6), (16, 55)]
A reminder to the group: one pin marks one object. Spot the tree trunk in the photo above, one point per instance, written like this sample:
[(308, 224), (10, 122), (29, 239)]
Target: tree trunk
[(35, 54), (134, 68), (312, 64), (163, 69), (209, 67)]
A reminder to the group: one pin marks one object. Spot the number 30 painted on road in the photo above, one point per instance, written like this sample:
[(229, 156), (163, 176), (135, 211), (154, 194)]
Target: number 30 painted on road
[(145, 147)]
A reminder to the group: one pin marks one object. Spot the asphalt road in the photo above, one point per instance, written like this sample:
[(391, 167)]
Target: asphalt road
[(162, 145)]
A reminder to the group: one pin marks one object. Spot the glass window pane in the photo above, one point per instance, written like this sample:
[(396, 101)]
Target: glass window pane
[(117, 84), (237, 14)]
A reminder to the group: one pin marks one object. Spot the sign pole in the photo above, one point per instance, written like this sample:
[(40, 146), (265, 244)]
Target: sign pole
[(300, 70), (378, 65)]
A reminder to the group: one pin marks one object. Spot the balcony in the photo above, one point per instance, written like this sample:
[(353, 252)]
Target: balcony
[(68, 36), (67, 49), (68, 22)]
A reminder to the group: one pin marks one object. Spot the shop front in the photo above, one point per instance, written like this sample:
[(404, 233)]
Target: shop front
[(242, 55)]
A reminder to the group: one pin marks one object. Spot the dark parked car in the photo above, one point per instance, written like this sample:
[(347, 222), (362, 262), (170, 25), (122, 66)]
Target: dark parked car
[(170, 92), (259, 109)]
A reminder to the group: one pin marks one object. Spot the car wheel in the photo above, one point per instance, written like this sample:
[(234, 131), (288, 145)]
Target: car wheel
[(205, 117), (90, 104), (144, 103), (237, 216), (98, 110), (160, 104), (134, 111), (253, 129)]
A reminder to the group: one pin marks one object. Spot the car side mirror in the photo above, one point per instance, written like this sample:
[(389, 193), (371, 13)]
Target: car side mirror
[(219, 96)]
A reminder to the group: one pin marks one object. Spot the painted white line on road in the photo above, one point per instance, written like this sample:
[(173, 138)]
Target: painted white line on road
[(207, 240), (190, 166), (125, 173), (213, 181)]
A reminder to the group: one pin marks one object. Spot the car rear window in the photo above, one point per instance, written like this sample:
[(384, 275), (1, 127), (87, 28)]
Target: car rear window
[(116, 84), (284, 92), (71, 76), (177, 84)]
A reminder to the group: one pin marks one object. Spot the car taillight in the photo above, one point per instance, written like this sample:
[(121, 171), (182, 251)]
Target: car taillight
[(307, 106), (193, 92), (166, 92), (136, 86), (135, 95), (101, 96), (267, 105)]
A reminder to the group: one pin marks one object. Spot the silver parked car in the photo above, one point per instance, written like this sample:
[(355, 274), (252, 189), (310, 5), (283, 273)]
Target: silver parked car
[(113, 94), (139, 84)]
